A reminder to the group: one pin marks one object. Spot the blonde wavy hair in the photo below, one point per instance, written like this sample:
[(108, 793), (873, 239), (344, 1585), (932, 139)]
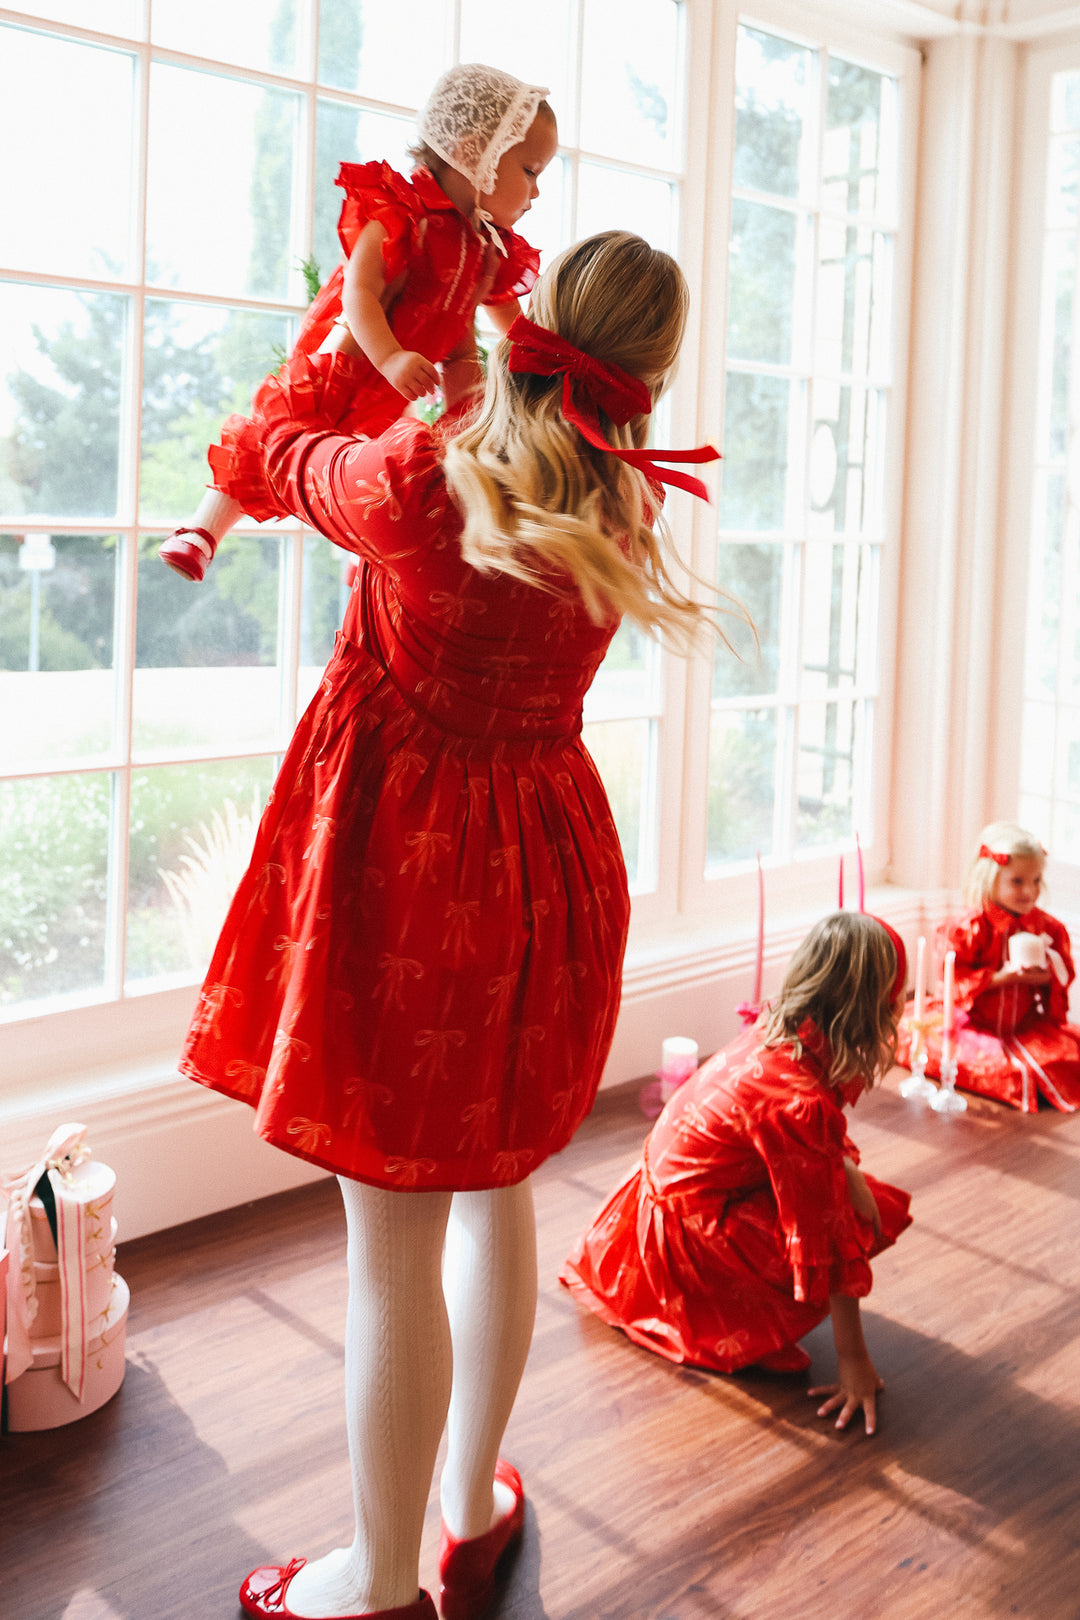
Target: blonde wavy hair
[(539, 502), (1005, 838), (841, 977)]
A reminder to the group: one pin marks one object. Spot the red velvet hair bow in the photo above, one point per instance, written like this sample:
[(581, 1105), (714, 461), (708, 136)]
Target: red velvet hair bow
[(603, 387), (994, 855)]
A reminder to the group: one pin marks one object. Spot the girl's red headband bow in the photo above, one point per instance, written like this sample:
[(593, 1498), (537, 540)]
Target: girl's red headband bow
[(998, 856), (605, 387), (901, 958)]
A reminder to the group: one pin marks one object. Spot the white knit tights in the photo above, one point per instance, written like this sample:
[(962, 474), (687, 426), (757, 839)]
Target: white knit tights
[(216, 513), (398, 1380)]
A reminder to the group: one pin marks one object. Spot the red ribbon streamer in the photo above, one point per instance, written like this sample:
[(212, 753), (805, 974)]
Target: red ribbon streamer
[(603, 387)]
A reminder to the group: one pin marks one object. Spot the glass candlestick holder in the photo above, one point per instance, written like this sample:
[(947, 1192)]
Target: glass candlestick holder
[(948, 1099), (916, 1084)]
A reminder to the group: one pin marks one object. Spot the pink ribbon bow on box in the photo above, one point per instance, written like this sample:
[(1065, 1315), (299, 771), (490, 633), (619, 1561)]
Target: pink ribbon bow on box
[(64, 1150)]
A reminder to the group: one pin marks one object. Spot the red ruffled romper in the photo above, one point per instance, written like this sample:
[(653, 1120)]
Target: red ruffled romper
[(418, 979), (1013, 1042), (726, 1240), (445, 264)]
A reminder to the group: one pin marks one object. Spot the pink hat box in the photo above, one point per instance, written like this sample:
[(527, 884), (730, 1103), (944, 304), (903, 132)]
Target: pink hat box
[(99, 1278), (95, 1184), (39, 1398)]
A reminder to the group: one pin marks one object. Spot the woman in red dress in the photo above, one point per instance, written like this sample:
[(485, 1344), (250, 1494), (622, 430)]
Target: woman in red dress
[(1013, 1040), (747, 1220), (420, 255), (417, 982)]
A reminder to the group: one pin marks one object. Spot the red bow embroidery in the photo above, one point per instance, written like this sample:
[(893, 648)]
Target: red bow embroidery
[(605, 387)]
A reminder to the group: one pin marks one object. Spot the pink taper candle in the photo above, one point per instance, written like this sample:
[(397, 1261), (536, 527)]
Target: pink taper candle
[(840, 894), (756, 998), (862, 883), (947, 1010), (920, 978)]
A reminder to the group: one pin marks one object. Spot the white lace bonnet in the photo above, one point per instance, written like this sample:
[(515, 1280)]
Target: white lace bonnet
[(474, 115)]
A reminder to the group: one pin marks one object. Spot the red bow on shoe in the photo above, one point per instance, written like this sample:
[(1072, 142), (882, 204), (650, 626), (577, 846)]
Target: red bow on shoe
[(605, 387)]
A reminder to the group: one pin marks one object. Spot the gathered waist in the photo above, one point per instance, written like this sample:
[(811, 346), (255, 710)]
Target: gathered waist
[(437, 706)]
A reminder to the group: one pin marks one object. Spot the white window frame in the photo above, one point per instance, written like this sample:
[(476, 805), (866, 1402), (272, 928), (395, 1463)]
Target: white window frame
[(727, 901), (118, 1029), (1025, 418)]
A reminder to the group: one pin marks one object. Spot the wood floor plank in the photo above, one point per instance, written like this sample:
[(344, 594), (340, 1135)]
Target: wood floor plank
[(655, 1492)]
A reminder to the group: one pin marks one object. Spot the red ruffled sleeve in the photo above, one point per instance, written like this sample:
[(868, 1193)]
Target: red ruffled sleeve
[(803, 1145), (978, 956), (516, 274), (287, 459), (375, 191)]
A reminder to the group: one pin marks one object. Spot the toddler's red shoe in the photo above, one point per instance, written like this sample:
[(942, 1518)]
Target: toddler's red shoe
[(189, 557), (468, 1569), (264, 1593)]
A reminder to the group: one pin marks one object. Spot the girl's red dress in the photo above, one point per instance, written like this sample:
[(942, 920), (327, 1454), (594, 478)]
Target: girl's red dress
[(418, 979), (1013, 1042), (726, 1240), (446, 265)]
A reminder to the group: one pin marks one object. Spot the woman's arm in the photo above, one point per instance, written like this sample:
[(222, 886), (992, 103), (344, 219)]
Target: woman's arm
[(502, 316), (462, 373)]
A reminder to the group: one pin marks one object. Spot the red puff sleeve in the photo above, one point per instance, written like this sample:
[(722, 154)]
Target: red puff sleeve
[(803, 1144), (288, 460), (375, 191), (516, 274), (978, 956)]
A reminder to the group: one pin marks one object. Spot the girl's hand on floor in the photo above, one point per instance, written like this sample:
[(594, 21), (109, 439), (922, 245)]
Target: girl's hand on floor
[(857, 1386)]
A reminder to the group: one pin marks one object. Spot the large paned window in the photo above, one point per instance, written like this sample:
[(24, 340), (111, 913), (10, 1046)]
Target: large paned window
[(1050, 729), (175, 170), (802, 516)]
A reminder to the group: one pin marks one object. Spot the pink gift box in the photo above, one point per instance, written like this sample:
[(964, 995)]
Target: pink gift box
[(39, 1398)]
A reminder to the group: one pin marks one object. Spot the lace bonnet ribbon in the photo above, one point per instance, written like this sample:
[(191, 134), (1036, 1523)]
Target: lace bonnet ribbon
[(64, 1150), (605, 387)]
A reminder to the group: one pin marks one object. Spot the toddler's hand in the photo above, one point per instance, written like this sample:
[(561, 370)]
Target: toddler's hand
[(410, 374), (857, 1386), (1012, 973)]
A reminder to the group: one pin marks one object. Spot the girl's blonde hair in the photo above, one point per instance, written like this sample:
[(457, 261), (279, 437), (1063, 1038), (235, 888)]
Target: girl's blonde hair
[(1004, 838), (841, 977), (539, 502)]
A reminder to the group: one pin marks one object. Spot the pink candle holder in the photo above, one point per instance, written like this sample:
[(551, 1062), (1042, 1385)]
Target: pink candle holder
[(678, 1061)]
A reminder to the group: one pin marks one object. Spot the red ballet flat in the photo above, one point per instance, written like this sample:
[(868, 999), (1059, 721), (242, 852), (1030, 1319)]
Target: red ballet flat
[(189, 557), (264, 1593), (468, 1569), (789, 1358)]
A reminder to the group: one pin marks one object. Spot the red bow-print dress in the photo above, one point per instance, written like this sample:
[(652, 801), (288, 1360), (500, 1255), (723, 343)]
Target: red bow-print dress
[(726, 1240), (418, 979), (445, 263), (1013, 1042)]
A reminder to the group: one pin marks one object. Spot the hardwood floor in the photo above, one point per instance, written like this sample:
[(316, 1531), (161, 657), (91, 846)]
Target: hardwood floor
[(654, 1493)]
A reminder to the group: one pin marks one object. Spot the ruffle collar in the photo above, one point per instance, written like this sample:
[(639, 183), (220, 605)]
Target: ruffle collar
[(1004, 921), (432, 196)]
